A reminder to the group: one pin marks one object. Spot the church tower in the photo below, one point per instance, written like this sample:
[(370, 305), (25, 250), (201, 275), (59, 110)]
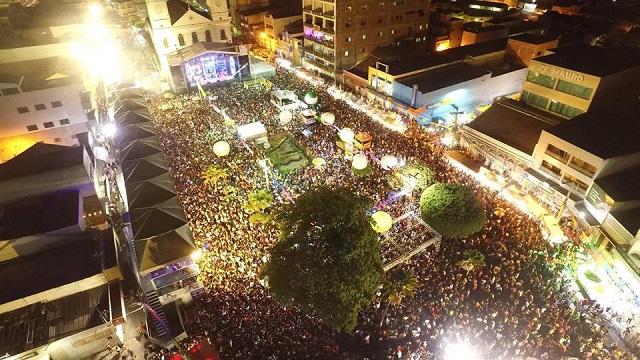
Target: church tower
[(221, 20)]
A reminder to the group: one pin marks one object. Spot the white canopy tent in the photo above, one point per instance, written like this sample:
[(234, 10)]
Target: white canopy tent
[(252, 131)]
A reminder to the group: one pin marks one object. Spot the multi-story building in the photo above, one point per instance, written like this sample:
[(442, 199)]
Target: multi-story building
[(576, 78), (275, 23), (340, 34), (65, 297), (525, 47), (40, 101), (428, 85), (575, 152)]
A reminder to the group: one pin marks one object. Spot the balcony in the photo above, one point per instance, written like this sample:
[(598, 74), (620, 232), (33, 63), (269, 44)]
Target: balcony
[(308, 7), (318, 11), (328, 30), (549, 173), (562, 159), (329, 14), (581, 170)]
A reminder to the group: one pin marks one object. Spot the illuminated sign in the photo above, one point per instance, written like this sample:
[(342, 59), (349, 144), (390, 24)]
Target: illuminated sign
[(561, 73)]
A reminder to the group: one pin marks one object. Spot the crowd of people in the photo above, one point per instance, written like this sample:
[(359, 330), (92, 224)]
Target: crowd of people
[(514, 306)]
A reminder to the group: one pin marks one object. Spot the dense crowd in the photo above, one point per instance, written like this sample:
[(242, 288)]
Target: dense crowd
[(514, 306)]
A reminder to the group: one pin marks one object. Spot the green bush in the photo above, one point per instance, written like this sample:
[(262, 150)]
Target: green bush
[(452, 209)]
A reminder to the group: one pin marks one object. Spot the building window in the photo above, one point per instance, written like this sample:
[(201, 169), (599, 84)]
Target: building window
[(56, 104), (347, 25), (381, 4), (32, 127), (207, 36), (541, 79), (349, 8), (39, 107), (363, 23), (346, 53), (554, 169), (65, 122), (362, 50), (48, 124), (557, 153), (364, 7), (380, 33), (165, 42), (194, 37), (393, 32), (535, 99), (364, 36), (574, 89), (349, 39), (23, 109), (583, 166), (223, 35), (564, 109), (10, 91), (180, 40)]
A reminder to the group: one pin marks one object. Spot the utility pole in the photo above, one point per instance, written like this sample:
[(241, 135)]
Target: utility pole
[(563, 206)]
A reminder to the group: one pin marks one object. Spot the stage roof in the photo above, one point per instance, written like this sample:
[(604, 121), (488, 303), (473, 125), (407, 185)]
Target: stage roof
[(513, 123), (177, 57)]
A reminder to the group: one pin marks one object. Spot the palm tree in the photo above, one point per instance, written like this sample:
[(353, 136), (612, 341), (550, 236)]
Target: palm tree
[(212, 175), (258, 201), (399, 284), (474, 260)]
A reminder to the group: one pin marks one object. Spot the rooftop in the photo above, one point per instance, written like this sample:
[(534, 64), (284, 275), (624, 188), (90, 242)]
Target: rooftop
[(402, 62), (41, 214), (41, 74), (279, 13), (603, 134), (534, 38), (513, 123), (248, 11), (629, 218), (41, 158), (53, 268), (178, 8), (443, 77), (597, 61), (622, 186)]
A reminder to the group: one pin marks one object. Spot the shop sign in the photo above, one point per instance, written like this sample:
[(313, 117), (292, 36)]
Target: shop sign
[(561, 73)]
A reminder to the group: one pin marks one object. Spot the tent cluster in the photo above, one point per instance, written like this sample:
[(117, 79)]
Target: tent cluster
[(161, 233)]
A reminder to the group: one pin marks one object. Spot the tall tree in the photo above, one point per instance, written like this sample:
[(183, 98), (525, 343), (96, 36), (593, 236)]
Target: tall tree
[(452, 209), (400, 283), (328, 257)]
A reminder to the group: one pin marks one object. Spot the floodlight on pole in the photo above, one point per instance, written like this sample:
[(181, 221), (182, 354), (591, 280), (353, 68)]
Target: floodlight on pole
[(109, 130), (460, 351)]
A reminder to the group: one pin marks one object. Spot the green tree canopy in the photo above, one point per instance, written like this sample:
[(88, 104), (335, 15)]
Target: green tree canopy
[(328, 257), (452, 209), (415, 173)]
